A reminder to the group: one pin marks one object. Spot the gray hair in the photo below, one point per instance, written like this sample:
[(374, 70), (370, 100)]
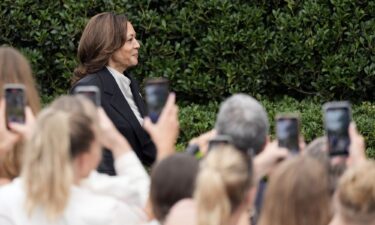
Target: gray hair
[(245, 120)]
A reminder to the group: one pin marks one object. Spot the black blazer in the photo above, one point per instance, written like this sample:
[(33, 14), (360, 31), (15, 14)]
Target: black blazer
[(119, 111)]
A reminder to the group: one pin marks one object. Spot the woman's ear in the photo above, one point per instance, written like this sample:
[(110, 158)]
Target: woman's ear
[(82, 164)]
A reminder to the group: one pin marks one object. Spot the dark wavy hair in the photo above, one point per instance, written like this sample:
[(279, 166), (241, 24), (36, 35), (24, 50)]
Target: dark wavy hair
[(103, 35)]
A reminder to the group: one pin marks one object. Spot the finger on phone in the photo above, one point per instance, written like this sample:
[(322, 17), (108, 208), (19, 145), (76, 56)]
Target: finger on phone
[(2, 114)]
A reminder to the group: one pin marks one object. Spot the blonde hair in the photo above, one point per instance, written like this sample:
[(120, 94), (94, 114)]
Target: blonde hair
[(48, 171), (297, 194), (223, 181), (14, 68), (355, 197), (76, 104)]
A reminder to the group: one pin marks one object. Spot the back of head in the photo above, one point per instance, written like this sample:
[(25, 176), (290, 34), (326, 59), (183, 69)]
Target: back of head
[(14, 68), (102, 36), (245, 120), (56, 140), (318, 149), (76, 104), (355, 197), (172, 179), (297, 194), (223, 182)]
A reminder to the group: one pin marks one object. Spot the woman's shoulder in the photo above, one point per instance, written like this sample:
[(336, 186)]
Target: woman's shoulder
[(11, 190), (12, 198), (88, 80), (101, 209), (183, 212)]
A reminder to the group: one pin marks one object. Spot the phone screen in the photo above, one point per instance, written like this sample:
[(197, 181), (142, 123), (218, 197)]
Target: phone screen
[(91, 92), (92, 95), (218, 141), (156, 97), (337, 122), (287, 130), (15, 105)]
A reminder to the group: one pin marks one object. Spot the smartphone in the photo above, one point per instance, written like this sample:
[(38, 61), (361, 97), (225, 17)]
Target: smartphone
[(157, 91), (287, 131), (91, 92), (337, 118), (219, 140), (15, 103)]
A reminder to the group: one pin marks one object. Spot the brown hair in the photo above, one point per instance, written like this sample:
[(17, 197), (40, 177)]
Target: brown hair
[(103, 35), (355, 197), (297, 194), (48, 171), (172, 179), (224, 179), (14, 68)]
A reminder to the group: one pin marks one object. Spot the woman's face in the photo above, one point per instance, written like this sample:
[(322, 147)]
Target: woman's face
[(127, 55)]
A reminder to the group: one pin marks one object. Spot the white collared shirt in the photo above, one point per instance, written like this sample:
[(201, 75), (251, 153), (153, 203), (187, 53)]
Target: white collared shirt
[(124, 84)]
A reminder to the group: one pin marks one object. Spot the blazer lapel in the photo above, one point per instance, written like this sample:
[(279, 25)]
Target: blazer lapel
[(136, 94), (119, 103)]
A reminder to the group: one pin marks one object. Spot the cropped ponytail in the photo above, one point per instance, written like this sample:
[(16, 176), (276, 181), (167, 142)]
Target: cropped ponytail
[(47, 171), (222, 184), (213, 203)]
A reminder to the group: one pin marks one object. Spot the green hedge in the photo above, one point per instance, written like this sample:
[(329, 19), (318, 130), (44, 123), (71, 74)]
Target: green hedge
[(209, 49), (196, 119), (212, 48)]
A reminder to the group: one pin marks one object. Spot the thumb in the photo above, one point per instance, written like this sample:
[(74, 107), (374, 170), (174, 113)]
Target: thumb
[(353, 130), (147, 125), (283, 153), (30, 118)]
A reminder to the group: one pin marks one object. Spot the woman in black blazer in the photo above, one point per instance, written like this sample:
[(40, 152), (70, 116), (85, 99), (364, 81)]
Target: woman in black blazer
[(107, 49)]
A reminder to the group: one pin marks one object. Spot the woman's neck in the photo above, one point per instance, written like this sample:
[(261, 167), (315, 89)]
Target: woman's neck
[(4, 181), (240, 217), (119, 68), (78, 172)]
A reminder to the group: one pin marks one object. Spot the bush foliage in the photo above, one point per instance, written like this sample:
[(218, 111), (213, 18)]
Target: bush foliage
[(212, 48), (196, 119)]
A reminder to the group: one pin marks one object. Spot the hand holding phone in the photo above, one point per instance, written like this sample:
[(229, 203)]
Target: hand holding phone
[(287, 131), (14, 95), (91, 92), (157, 91), (337, 118)]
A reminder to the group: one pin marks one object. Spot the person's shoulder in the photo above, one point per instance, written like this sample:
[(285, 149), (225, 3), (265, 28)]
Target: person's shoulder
[(88, 80), (11, 190), (12, 197), (183, 212), (97, 207)]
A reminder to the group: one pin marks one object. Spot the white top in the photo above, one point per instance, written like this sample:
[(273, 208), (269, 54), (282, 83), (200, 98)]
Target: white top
[(153, 222), (97, 201), (124, 84), (131, 184)]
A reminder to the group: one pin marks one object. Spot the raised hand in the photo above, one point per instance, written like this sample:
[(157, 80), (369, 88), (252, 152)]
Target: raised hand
[(164, 133), (8, 138)]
